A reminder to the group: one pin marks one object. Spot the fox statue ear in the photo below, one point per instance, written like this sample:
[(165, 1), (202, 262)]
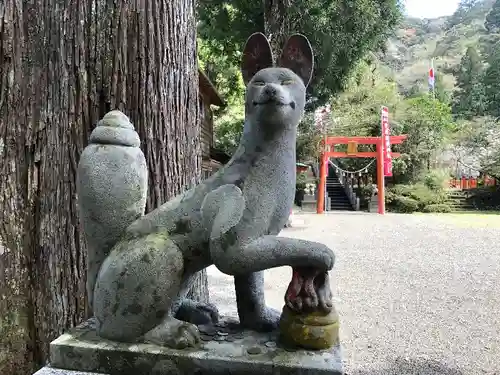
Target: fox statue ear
[(298, 56), (257, 55)]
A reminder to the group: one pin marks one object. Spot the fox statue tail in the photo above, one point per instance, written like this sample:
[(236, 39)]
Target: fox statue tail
[(112, 182)]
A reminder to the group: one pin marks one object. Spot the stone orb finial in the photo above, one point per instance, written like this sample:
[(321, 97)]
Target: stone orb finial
[(116, 119), (115, 128)]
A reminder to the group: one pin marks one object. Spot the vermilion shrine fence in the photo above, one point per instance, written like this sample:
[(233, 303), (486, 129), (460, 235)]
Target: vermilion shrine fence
[(465, 183)]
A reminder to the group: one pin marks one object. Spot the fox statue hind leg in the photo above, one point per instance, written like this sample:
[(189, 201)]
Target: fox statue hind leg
[(135, 290)]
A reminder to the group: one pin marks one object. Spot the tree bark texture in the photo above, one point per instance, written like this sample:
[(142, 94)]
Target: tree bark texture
[(277, 23), (63, 64)]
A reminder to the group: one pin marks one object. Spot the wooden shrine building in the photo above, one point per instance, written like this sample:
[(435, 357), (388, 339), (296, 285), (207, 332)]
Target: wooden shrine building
[(211, 159)]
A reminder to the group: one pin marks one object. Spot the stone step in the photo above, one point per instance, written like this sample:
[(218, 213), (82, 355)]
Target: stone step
[(340, 204)]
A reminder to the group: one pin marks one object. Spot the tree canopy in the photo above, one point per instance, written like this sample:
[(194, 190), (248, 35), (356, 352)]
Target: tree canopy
[(492, 22), (341, 34), (468, 100)]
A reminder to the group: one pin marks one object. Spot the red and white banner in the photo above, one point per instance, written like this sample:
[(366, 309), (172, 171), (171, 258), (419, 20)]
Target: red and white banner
[(432, 79), (386, 141)]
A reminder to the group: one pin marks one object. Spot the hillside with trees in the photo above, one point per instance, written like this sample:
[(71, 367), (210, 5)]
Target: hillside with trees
[(453, 130)]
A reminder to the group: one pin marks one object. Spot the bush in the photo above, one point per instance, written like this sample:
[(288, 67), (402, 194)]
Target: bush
[(420, 193), (390, 196), (366, 193), (404, 204), (301, 181), (435, 180), (434, 208)]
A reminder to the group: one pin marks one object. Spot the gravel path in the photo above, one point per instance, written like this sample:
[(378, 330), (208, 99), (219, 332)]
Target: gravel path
[(417, 294)]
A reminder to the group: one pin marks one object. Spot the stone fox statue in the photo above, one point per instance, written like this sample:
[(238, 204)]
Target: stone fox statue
[(140, 267)]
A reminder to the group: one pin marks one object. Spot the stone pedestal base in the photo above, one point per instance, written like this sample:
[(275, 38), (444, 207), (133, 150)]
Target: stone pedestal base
[(225, 350), (309, 204), (57, 371)]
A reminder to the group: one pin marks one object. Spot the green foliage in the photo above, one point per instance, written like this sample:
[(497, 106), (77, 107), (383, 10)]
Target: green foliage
[(356, 111), (421, 193), (427, 122), (437, 208), (341, 33), (366, 193), (219, 67), (480, 137), (398, 79), (474, 134), (301, 181), (436, 180), (469, 98), (441, 92), (217, 61), (487, 198), (415, 197), (401, 204), (491, 164), (418, 41), (492, 22), (464, 13), (308, 139), (228, 127), (492, 83)]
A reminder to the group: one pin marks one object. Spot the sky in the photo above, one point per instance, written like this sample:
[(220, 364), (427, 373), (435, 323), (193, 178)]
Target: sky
[(430, 8)]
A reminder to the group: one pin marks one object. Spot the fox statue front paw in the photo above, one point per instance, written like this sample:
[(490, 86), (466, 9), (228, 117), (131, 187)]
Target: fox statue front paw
[(266, 320)]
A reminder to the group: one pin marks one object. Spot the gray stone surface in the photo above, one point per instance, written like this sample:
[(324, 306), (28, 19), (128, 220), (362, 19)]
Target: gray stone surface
[(309, 203), (225, 350), (112, 186), (416, 294), (57, 371), (230, 220)]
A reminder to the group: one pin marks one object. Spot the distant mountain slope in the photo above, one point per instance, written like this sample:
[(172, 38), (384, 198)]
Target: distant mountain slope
[(445, 39)]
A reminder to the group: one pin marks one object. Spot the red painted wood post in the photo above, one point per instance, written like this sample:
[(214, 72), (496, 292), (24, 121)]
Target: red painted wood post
[(320, 204), (380, 178)]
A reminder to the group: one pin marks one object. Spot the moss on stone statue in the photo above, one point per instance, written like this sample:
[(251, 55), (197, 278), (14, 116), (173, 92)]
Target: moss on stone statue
[(315, 330)]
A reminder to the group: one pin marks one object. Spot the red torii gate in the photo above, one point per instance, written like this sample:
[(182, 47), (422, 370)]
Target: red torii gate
[(379, 154)]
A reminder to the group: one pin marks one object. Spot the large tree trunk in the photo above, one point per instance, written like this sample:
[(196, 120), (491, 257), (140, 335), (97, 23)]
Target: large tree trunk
[(277, 23), (63, 64)]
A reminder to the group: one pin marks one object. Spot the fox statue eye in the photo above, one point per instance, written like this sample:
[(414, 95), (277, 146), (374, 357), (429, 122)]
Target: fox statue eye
[(259, 83), (287, 82)]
